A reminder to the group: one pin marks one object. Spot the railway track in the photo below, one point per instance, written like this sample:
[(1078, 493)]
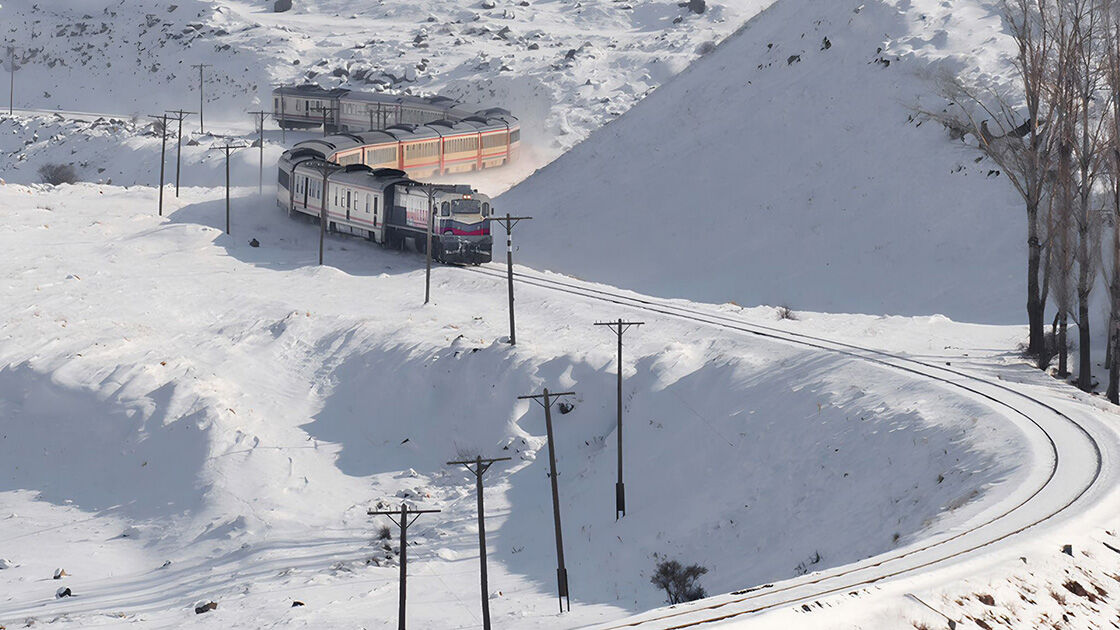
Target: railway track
[(1063, 480)]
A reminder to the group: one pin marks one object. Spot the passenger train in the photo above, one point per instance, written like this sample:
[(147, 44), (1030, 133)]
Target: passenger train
[(385, 206), (421, 136)]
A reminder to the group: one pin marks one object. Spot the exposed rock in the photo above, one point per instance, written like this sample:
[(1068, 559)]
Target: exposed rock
[(204, 607), (282, 6), (63, 592), (60, 573)]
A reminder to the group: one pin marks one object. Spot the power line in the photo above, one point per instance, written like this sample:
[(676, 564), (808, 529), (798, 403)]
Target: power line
[(546, 399), (227, 148), (201, 94), (162, 155), (620, 327), (180, 115), (403, 523), (508, 222), (478, 467)]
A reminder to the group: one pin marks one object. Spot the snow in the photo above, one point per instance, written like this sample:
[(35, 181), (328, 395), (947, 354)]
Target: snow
[(235, 410), (759, 180), (185, 418)]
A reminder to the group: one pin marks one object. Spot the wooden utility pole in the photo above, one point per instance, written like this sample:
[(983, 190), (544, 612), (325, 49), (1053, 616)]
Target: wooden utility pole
[(201, 95), (325, 168), (227, 148), (478, 467), (508, 222), (428, 248), (12, 80), (260, 139), (162, 120), (546, 399), (620, 327), (324, 111), (282, 123), (403, 524), (179, 116)]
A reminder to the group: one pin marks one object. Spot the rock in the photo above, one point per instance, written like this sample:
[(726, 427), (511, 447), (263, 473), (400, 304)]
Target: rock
[(1067, 549), (297, 603), (254, 243), (63, 592), (60, 573), (826, 44), (565, 407), (166, 564), (488, 4), (204, 607), (5, 564), (793, 59), (282, 6), (697, 6), (534, 46)]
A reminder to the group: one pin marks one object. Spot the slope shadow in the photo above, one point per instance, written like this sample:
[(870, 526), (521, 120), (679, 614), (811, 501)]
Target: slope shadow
[(289, 242), (101, 454)]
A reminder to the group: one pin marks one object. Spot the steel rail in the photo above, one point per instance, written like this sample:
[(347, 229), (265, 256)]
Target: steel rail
[(880, 357)]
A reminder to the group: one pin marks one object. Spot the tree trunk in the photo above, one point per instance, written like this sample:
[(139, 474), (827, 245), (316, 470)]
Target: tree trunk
[(1085, 364), (1114, 359), (1035, 306), (1063, 370)]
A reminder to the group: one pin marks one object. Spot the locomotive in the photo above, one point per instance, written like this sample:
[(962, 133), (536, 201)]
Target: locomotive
[(387, 207)]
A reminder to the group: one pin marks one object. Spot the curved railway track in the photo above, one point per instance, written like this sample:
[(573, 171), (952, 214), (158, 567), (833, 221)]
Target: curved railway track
[(1048, 494)]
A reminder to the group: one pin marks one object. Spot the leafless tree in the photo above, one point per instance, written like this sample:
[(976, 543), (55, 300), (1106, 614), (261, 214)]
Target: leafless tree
[(1021, 143), (1111, 168)]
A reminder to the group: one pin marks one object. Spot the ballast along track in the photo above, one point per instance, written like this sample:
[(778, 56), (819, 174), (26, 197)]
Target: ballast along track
[(1013, 515)]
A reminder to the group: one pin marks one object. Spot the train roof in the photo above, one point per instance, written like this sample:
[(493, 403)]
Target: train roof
[(310, 90), (451, 127), (378, 179), (331, 144), (405, 133)]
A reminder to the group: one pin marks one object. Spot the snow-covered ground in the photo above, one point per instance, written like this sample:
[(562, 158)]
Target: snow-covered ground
[(234, 406), (174, 394), (186, 417)]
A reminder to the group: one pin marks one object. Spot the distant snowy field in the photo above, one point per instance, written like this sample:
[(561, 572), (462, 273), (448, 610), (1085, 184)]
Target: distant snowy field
[(175, 394)]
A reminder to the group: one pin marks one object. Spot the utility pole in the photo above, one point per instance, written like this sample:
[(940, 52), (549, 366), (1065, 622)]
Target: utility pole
[(12, 80), (508, 222), (403, 524), (546, 400), (325, 168), (283, 124), (620, 327), (227, 148), (180, 115), (478, 467), (201, 94), (324, 111), (260, 176), (162, 120), (428, 264)]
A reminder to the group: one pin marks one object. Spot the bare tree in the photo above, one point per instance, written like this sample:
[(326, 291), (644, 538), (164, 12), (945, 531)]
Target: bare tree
[(1111, 168), (1079, 73), (1021, 143)]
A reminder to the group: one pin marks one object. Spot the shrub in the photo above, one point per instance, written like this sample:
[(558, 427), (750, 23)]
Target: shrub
[(384, 533), (785, 312), (56, 174), (679, 582)]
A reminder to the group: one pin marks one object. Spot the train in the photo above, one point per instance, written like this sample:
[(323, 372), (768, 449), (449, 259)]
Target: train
[(387, 206), (422, 136)]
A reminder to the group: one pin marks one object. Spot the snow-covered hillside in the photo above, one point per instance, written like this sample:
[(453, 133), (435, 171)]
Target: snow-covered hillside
[(171, 393), (786, 168), (563, 67)]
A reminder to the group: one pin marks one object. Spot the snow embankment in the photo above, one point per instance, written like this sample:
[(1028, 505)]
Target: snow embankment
[(788, 167), (174, 394)]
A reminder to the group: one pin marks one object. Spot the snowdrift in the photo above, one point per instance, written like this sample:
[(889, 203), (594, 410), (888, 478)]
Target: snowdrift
[(785, 167)]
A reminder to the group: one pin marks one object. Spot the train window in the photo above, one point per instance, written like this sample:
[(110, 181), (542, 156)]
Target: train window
[(485, 209), (446, 209), (367, 203), (515, 135)]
